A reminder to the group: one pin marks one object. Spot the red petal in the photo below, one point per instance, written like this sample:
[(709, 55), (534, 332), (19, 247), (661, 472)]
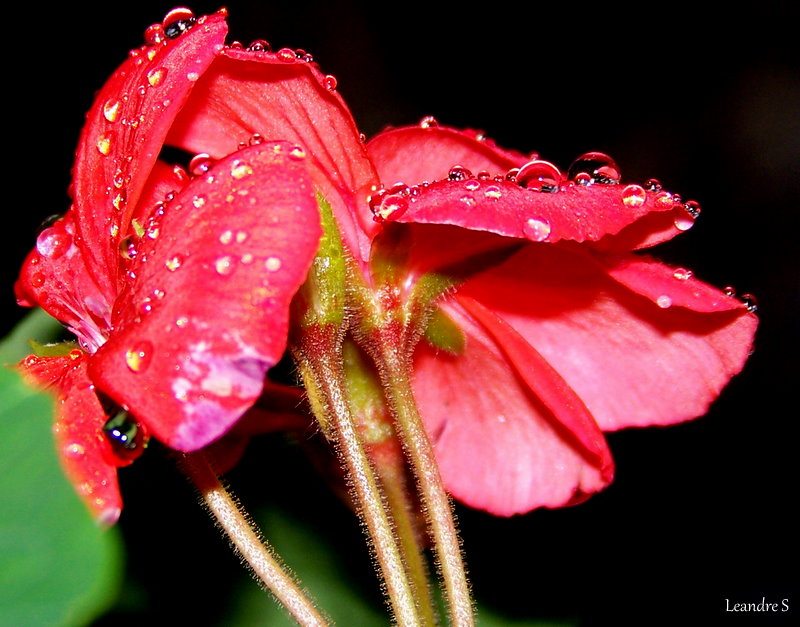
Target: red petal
[(280, 97), (664, 285), (632, 362), (55, 276), (78, 431), (123, 136), (498, 447), (207, 312), (416, 153), (574, 212)]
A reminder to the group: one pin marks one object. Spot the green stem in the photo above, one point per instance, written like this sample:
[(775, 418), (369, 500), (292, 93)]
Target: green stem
[(321, 367), (394, 369), (247, 540)]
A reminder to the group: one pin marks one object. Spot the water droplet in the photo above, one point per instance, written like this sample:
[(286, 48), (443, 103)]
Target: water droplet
[(239, 169), (154, 34), (74, 450), (286, 54), (472, 185), (492, 192), (255, 140), (120, 200), (273, 264), (330, 82), (693, 207), (111, 109), (539, 176), (682, 274), (139, 356), (126, 438), (104, 143), (388, 206), (599, 166), (428, 122), (177, 22), (683, 220), (297, 153), (53, 242), (173, 263), (729, 290), (199, 200), (664, 301), (468, 201), (634, 196), (536, 229), (192, 76), (259, 45), (750, 302), (652, 185), (156, 76), (224, 265), (127, 247), (458, 173), (226, 237), (200, 164)]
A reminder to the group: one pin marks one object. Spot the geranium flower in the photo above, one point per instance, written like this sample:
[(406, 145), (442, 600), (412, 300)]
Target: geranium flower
[(176, 286), (552, 330)]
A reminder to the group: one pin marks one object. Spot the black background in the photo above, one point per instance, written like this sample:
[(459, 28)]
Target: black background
[(704, 100)]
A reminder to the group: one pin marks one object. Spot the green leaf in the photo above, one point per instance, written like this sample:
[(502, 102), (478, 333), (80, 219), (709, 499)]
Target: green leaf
[(38, 326), (57, 567)]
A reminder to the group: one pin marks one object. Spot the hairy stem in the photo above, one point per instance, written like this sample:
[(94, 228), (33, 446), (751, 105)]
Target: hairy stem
[(394, 371), (321, 368), (247, 540)]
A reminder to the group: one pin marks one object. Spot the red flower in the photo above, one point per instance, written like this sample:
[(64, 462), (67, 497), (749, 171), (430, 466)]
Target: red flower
[(551, 330), (177, 286)]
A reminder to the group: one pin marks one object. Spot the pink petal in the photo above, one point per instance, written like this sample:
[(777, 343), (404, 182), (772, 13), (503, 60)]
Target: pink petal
[(631, 361), (78, 431), (206, 313), (499, 448), (124, 132), (574, 212), (417, 153), (278, 96)]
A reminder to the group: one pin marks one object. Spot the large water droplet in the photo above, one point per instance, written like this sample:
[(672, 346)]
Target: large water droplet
[(126, 438), (664, 301), (749, 301), (536, 229), (139, 356), (177, 22), (428, 122), (127, 247), (53, 242), (539, 176), (273, 264), (330, 82), (154, 34), (104, 142), (459, 173), (682, 274), (598, 166)]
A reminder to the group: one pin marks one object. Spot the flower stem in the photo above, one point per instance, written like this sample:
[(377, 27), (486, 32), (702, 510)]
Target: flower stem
[(247, 540), (320, 364), (394, 369)]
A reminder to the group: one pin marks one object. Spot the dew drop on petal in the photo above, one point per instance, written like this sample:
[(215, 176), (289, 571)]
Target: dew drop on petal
[(750, 302), (652, 185), (634, 196), (53, 242), (536, 229), (224, 265), (177, 22), (240, 169), (104, 143), (156, 76), (459, 173), (199, 200), (226, 237), (154, 34), (127, 248), (126, 438), (539, 176), (297, 153), (286, 54), (428, 122), (200, 164), (111, 109), (683, 220), (273, 264), (599, 166), (693, 207), (139, 356), (664, 301), (173, 263), (330, 82), (492, 192), (682, 274)]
